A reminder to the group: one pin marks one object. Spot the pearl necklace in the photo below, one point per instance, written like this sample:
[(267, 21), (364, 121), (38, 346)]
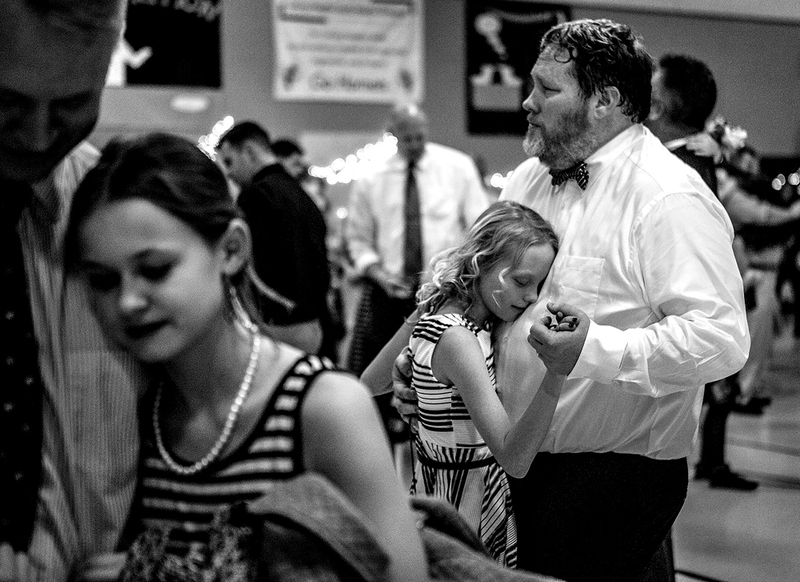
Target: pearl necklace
[(226, 430)]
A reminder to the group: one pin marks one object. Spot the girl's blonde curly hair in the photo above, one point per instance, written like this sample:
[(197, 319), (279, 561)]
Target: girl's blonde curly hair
[(505, 229)]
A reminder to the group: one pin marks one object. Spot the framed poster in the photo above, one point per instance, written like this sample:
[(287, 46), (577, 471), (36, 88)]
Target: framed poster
[(169, 43), (502, 45), (367, 51)]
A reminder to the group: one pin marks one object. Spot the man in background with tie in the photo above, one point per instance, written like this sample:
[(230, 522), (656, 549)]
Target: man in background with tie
[(646, 264), (418, 203)]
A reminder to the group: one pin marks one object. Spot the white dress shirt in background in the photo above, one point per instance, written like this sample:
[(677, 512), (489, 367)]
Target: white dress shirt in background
[(451, 198)]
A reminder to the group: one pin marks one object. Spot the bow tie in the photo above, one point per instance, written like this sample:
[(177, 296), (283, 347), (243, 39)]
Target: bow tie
[(578, 172)]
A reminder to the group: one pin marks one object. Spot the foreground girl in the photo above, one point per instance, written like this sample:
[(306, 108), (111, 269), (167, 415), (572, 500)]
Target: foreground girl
[(165, 257), (466, 440)]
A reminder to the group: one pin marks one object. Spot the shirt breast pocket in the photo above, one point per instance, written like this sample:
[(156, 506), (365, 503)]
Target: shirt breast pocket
[(577, 282)]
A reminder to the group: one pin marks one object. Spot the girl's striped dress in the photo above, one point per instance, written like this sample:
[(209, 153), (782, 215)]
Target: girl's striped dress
[(453, 462), (181, 525)]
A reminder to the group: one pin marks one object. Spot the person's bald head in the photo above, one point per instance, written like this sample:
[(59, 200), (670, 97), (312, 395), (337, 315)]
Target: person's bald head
[(409, 124), (53, 67)]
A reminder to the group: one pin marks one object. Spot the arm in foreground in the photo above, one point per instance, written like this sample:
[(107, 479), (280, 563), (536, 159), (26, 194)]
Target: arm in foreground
[(378, 375), (691, 283), (344, 440), (458, 359)]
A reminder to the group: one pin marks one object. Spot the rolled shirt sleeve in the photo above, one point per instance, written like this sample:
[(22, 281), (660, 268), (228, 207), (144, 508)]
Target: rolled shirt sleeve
[(693, 287)]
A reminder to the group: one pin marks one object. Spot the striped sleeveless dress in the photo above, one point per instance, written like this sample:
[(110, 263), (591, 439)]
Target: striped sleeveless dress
[(180, 523), (453, 461)]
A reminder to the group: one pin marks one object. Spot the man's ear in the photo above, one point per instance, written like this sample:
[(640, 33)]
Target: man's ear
[(656, 110), (606, 101), (235, 247), (249, 152)]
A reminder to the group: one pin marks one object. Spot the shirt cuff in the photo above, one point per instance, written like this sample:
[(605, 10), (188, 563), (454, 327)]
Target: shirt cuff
[(364, 262), (601, 355)]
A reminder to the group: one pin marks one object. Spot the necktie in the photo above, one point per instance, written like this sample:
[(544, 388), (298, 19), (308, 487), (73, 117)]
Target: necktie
[(412, 255), (578, 172), (20, 385)]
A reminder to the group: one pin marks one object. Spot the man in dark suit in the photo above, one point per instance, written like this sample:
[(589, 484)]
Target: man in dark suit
[(289, 247), (684, 94)]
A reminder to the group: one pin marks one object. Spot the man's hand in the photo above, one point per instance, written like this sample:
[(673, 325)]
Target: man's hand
[(405, 398), (702, 144), (559, 351), (394, 286), (15, 566)]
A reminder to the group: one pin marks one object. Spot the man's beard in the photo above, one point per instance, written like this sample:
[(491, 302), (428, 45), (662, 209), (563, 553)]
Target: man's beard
[(570, 143)]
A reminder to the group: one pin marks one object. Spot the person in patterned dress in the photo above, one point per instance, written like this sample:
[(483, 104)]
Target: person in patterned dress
[(465, 441), (164, 254)]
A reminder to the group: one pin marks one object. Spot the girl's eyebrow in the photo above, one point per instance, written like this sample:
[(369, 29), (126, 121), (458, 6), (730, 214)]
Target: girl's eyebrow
[(141, 255)]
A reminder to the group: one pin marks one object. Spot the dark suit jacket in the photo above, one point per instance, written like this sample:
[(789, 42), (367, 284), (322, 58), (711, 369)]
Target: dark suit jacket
[(289, 246), (703, 164)]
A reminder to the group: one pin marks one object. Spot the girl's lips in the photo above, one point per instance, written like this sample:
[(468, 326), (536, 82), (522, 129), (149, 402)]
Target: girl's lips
[(137, 332)]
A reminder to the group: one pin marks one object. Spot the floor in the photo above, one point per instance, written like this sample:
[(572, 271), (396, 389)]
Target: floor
[(732, 536)]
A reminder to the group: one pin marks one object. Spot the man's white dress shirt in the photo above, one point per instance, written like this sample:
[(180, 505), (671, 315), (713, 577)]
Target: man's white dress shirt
[(646, 252)]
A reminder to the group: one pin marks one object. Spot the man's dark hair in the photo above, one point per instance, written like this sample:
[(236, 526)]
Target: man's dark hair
[(692, 90), (246, 131), (605, 54), (283, 148)]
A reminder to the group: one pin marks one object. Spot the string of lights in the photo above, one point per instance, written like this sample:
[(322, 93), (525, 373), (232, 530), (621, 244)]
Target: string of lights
[(208, 143)]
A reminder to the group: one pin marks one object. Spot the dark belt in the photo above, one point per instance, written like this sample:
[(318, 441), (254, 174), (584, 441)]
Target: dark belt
[(433, 464)]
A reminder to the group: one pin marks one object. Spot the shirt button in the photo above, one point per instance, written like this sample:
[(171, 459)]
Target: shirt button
[(9, 315), (8, 407)]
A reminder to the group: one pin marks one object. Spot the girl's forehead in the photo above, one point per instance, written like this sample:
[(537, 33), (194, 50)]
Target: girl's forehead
[(127, 210), (127, 226)]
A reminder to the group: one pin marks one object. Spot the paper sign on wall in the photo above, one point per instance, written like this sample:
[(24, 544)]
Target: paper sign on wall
[(502, 45), (368, 51)]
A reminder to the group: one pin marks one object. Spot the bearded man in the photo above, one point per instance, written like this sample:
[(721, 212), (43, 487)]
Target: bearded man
[(646, 265)]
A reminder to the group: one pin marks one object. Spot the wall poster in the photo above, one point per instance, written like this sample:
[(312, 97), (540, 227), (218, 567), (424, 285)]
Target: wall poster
[(169, 43), (502, 45), (367, 51)]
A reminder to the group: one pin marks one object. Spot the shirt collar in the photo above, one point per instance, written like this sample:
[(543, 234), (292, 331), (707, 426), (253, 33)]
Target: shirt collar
[(599, 161), (269, 169), (675, 143), (399, 162), (45, 205)]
